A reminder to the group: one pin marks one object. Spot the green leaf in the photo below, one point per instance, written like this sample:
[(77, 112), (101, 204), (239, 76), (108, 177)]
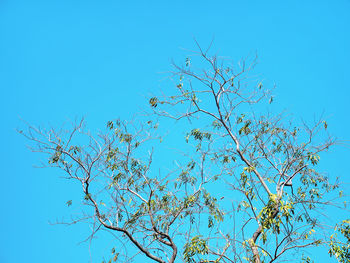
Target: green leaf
[(153, 102), (188, 62), (325, 124)]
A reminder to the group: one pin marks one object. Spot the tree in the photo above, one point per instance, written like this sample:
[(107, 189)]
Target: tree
[(269, 207)]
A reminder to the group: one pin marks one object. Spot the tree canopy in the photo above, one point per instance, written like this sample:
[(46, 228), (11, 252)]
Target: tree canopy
[(247, 188)]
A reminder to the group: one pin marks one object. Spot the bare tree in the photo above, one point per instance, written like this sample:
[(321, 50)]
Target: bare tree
[(272, 198)]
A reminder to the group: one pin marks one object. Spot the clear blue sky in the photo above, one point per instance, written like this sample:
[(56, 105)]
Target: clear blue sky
[(99, 59)]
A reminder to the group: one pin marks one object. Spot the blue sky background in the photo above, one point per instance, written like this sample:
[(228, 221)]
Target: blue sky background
[(102, 59)]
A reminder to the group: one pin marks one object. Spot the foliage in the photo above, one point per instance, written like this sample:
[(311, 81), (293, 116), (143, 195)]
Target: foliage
[(265, 167), (197, 246), (341, 249)]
